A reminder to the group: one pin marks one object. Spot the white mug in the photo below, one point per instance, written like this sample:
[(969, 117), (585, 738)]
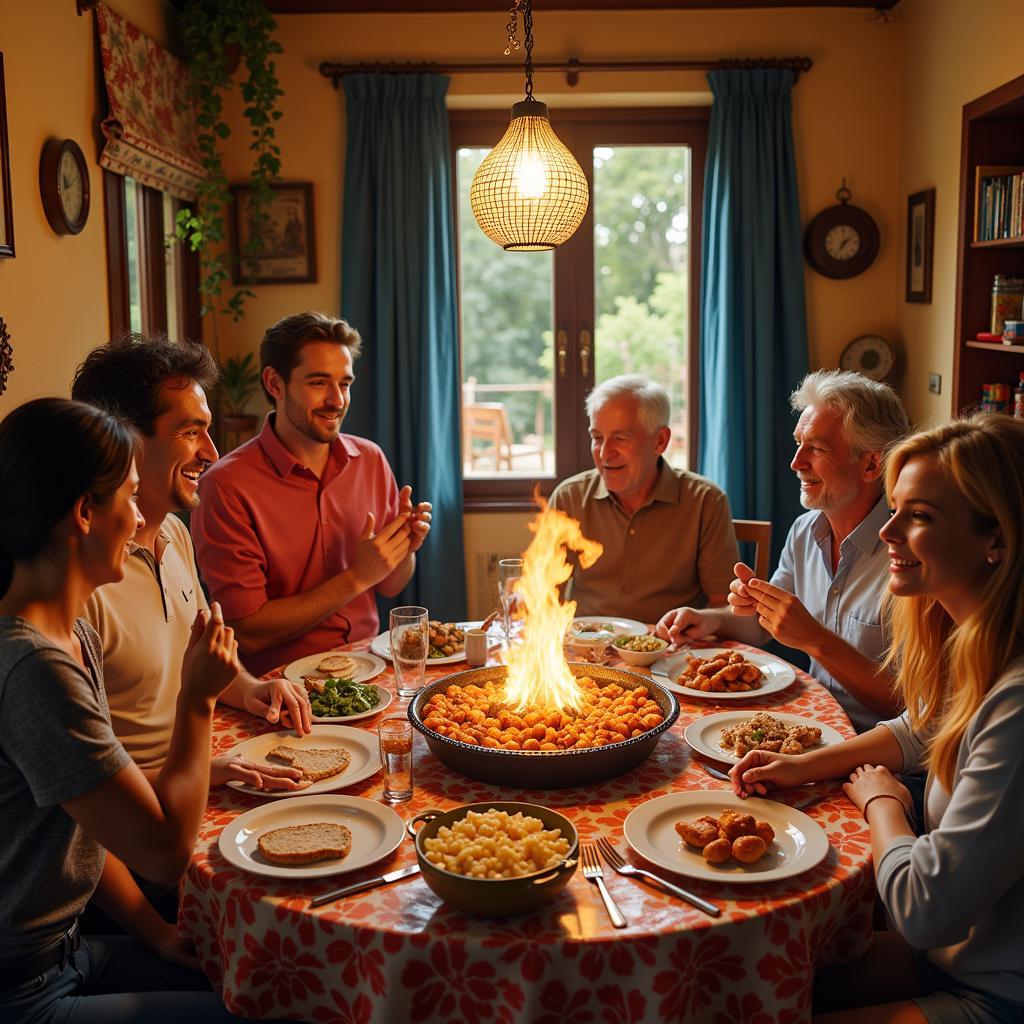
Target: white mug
[(476, 647)]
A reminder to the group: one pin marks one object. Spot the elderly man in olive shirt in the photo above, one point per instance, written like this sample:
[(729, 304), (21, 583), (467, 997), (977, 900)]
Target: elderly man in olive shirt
[(666, 532)]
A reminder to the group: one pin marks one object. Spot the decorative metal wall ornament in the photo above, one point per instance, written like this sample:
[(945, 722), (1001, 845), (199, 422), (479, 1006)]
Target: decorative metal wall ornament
[(529, 194), (6, 356)]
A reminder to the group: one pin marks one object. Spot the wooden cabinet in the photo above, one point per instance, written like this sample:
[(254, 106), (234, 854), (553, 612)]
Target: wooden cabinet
[(992, 142)]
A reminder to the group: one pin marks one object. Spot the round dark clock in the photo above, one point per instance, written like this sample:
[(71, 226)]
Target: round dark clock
[(842, 241), (64, 186)]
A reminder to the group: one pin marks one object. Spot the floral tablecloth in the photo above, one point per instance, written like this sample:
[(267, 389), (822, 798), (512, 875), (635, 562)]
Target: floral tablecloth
[(397, 953)]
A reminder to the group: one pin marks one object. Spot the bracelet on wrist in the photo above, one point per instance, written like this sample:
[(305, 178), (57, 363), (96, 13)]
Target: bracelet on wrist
[(888, 796)]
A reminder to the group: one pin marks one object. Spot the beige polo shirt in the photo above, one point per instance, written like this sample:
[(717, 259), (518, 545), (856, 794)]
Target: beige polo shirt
[(145, 622), (677, 549)]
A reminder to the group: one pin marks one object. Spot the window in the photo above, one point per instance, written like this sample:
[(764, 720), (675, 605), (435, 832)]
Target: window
[(538, 330), (151, 286)]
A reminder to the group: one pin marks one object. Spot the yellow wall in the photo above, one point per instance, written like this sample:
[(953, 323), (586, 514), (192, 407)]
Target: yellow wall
[(955, 52), (846, 120), (53, 294)]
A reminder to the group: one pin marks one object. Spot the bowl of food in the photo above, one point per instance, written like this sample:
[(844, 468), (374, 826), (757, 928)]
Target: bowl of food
[(469, 726), (640, 650), (495, 859)]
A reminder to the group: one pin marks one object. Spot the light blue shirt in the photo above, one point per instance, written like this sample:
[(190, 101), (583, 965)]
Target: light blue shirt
[(848, 603)]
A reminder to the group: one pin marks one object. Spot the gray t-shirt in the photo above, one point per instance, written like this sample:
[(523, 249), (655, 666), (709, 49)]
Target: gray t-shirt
[(958, 890), (55, 744)]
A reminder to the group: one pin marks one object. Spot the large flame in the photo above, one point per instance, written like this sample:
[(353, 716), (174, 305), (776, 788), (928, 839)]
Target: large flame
[(538, 674)]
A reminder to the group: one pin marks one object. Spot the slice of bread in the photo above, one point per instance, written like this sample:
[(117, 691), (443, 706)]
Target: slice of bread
[(338, 665), (315, 763), (304, 844)]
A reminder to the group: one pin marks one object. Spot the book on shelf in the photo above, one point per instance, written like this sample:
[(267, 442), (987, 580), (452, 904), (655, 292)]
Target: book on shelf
[(999, 203)]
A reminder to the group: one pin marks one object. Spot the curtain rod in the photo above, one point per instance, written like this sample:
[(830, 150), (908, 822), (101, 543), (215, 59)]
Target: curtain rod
[(571, 68)]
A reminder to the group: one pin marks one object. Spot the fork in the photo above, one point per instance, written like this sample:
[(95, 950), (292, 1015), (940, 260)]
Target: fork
[(593, 872), (617, 863)]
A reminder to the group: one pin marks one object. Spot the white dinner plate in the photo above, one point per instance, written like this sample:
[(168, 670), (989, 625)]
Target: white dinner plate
[(361, 746), (376, 831), (800, 842), (384, 699), (367, 666), (618, 627), (704, 733), (778, 675), (382, 645)]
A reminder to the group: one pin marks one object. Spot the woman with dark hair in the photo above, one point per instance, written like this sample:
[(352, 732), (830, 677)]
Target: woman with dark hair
[(68, 790), (955, 894)]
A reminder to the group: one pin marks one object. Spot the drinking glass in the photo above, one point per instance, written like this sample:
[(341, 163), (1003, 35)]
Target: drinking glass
[(395, 735), (409, 646), (509, 571)]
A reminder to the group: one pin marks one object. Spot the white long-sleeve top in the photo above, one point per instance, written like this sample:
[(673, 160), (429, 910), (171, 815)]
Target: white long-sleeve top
[(958, 890)]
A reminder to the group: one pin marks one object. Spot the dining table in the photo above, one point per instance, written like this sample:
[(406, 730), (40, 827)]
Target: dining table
[(398, 953)]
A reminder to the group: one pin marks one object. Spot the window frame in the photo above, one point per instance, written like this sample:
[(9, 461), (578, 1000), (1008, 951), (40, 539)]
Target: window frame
[(582, 129), (153, 256)]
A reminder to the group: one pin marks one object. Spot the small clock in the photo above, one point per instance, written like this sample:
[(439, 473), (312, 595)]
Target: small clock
[(841, 241), (64, 186), (870, 355)]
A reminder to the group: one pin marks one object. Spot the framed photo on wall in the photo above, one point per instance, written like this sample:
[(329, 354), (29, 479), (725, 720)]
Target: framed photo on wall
[(287, 253), (6, 206), (920, 243)]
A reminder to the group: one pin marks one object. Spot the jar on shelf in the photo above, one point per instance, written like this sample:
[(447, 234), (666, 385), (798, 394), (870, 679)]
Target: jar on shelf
[(1007, 298)]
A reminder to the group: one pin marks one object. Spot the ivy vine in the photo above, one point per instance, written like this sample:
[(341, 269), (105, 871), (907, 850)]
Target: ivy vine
[(213, 34)]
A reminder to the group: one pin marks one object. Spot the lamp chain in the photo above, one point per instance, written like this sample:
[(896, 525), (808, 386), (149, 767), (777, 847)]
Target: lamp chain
[(528, 30)]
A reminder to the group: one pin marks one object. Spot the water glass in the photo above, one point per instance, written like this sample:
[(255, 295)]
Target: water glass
[(395, 735), (509, 572), (410, 640)]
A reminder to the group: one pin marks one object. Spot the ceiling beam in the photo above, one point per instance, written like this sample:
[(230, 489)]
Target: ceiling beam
[(498, 6)]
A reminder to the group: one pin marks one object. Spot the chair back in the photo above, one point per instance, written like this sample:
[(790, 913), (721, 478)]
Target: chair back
[(488, 422), (759, 533)]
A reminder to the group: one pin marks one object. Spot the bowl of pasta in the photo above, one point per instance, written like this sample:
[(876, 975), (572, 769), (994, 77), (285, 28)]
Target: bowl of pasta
[(495, 859), (470, 727)]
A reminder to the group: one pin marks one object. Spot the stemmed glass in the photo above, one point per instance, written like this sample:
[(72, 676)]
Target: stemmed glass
[(409, 647), (509, 571)]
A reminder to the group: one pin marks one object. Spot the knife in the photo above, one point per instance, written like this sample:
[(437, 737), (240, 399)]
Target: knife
[(796, 804), (370, 883)]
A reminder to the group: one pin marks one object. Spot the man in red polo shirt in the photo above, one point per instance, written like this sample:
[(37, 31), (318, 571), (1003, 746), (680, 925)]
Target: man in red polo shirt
[(299, 529)]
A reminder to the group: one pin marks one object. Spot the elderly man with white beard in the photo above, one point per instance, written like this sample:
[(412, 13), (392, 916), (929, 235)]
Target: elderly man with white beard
[(825, 596)]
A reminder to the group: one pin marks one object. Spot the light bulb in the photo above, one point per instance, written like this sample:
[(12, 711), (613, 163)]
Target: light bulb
[(531, 179)]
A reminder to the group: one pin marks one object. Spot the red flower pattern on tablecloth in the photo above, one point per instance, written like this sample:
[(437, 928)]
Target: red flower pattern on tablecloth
[(398, 953), (696, 972), (451, 981), (279, 965)]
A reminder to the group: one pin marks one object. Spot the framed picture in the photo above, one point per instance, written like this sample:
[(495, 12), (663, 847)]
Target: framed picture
[(287, 253), (920, 242), (6, 206)]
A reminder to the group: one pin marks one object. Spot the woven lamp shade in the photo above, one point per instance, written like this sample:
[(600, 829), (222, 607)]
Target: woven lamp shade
[(529, 194)]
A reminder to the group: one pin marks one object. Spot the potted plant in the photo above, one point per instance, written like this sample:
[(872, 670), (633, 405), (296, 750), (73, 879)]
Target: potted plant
[(239, 381), (217, 36)]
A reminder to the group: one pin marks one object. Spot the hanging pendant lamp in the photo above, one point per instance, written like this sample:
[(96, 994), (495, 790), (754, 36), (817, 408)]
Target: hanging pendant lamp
[(529, 194)]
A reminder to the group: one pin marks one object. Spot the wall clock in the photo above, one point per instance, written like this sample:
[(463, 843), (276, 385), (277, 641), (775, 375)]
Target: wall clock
[(64, 186), (870, 355), (842, 240)]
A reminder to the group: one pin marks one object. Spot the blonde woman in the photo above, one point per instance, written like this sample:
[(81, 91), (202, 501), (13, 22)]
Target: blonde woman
[(955, 894)]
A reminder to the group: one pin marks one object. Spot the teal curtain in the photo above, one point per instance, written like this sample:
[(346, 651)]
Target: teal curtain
[(398, 287), (753, 338)]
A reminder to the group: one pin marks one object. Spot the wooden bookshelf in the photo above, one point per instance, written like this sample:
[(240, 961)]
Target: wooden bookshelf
[(992, 138)]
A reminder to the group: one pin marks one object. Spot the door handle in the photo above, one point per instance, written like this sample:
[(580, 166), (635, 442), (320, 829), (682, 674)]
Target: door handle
[(562, 348), (585, 353)]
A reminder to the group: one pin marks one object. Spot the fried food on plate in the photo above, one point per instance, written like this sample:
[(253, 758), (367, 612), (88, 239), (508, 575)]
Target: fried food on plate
[(764, 732), (728, 672), (732, 835)]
